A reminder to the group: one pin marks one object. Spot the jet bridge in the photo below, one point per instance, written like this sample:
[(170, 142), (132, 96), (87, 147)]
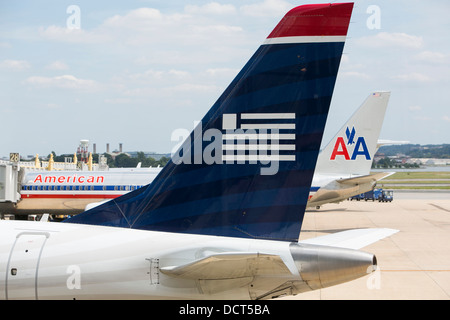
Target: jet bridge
[(9, 183)]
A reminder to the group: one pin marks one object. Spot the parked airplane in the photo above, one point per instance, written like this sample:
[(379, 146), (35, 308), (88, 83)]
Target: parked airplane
[(226, 229), (342, 171), (343, 166), (71, 192)]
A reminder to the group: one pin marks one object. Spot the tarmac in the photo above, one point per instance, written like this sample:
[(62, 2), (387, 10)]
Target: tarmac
[(413, 264)]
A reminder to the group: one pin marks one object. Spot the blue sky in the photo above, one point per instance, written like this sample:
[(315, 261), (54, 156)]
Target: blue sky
[(135, 71)]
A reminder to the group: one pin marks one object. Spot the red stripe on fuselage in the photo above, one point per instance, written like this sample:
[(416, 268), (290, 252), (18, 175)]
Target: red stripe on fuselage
[(70, 196)]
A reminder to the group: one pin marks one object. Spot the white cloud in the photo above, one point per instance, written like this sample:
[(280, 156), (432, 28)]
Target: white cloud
[(149, 26), (217, 29), (198, 34), (64, 34), (158, 75), (149, 74), (211, 8), (189, 87), (15, 64), (422, 118), (267, 8), (415, 108), (395, 39), (354, 74), (138, 19), (413, 76), (432, 57), (57, 65), (171, 91), (216, 72), (446, 118), (5, 45), (179, 74), (64, 81), (51, 106), (119, 101)]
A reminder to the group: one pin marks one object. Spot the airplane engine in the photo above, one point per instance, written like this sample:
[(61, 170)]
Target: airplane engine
[(324, 266)]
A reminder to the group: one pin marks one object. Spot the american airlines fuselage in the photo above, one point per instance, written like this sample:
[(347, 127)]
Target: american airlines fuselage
[(72, 192), (69, 192)]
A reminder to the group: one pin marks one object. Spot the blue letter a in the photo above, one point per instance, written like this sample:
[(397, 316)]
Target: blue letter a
[(364, 151)]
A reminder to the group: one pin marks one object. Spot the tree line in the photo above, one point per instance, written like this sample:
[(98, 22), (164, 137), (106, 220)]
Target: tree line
[(386, 163), (122, 160), (439, 151)]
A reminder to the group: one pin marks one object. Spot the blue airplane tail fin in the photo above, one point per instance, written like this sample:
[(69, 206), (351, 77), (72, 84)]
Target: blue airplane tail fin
[(246, 169)]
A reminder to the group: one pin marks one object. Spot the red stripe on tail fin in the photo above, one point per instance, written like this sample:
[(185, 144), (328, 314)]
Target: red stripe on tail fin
[(315, 20)]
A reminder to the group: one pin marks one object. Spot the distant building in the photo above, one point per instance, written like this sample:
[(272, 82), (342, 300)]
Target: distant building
[(154, 155), (429, 161)]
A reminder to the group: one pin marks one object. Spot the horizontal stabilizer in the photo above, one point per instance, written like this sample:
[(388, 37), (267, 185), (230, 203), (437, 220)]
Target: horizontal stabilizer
[(365, 179), (228, 266), (352, 239)]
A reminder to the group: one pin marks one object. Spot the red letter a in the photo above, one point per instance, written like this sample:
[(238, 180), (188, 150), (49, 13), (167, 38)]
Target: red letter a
[(342, 152)]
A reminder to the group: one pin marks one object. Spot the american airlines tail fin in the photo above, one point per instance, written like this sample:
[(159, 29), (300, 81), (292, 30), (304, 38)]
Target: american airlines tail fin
[(246, 169), (351, 151)]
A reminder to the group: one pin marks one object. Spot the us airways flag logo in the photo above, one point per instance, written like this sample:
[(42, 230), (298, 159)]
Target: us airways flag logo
[(245, 138), (358, 148), (259, 137)]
